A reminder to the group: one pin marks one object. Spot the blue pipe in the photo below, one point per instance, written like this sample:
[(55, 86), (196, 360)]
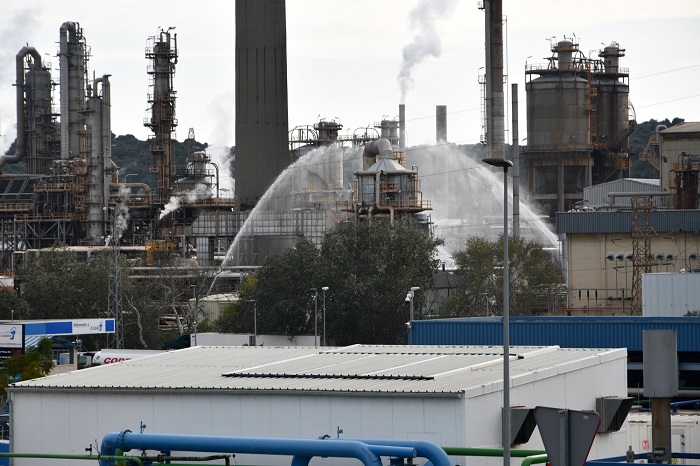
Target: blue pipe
[(302, 450), (434, 453)]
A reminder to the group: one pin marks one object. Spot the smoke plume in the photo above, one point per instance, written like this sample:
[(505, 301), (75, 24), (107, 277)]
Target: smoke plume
[(426, 43)]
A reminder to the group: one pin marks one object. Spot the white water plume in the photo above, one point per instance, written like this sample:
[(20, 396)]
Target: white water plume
[(466, 196), (426, 43)]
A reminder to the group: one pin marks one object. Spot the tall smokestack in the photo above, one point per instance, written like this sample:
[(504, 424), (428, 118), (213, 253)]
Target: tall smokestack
[(440, 124), (495, 101), (262, 146), (402, 127)]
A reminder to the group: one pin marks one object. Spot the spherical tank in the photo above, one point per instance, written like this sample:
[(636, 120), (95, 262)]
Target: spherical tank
[(611, 110), (556, 113)]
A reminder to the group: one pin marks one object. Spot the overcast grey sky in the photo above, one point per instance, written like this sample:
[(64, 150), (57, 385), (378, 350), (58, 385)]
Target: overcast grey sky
[(345, 57)]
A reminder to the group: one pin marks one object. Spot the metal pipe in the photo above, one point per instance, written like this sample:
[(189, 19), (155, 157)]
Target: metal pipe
[(19, 145), (126, 440), (614, 195), (143, 186), (402, 127), (135, 459), (515, 149), (534, 460), (423, 448), (379, 148), (466, 451)]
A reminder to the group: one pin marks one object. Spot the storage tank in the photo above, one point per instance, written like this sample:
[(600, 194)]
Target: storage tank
[(612, 101), (557, 116)]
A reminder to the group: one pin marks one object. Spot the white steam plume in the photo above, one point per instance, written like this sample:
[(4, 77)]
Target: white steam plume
[(426, 43), (201, 191), (171, 206)]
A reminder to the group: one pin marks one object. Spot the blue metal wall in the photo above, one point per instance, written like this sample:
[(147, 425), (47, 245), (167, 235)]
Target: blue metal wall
[(567, 332)]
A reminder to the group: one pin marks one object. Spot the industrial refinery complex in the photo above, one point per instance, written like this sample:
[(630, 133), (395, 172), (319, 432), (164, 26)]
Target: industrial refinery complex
[(629, 250)]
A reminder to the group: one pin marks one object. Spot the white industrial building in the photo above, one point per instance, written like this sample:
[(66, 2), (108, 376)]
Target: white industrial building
[(450, 395), (671, 294)]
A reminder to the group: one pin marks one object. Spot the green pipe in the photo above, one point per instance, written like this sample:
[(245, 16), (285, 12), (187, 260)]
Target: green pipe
[(464, 451), (162, 459), (135, 459), (534, 459)]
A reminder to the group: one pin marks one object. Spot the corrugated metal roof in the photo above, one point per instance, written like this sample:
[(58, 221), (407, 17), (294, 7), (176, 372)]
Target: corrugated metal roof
[(597, 195), (568, 332), (620, 221), (687, 127), (448, 370)]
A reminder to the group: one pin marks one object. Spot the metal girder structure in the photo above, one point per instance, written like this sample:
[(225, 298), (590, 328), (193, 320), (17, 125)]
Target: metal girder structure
[(38, 234), (116, 339), (641, 247), (114, 305), (9, 245)]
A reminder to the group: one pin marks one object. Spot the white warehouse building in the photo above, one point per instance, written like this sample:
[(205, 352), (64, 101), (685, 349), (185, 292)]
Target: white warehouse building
[(449, 395)]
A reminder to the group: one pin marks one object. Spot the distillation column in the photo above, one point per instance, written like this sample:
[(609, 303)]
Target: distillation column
[(99, 164), (35, 122), (161, 98), (73, 64)]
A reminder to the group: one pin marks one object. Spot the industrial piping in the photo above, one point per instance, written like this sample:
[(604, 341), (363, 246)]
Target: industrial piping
[(19, 146), (434, 453), (302, 450)]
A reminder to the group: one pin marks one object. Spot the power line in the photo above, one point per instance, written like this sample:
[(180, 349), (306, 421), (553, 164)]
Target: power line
[(665, 72), (669, 101)]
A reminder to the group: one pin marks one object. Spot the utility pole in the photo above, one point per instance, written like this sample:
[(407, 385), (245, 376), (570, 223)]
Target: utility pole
[(114, 304)]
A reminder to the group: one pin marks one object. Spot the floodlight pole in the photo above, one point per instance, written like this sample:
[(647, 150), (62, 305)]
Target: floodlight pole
[(505, 164), (324, 289)]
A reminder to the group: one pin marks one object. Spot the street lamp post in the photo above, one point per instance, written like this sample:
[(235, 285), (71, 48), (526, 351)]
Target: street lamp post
[(196, 308), (324, 289), (505, 432), (255, 320), (409, 298), (315, 291)]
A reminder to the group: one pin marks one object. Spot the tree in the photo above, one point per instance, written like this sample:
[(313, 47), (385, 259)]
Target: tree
[(33, 364), (281, 291), (368, 267), (534, 278), (56, 285)]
